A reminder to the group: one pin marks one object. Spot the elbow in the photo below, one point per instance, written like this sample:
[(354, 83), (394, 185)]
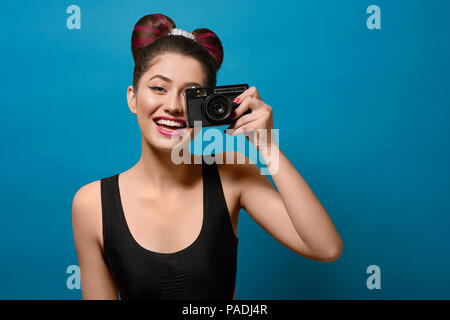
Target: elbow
[(333, 253)]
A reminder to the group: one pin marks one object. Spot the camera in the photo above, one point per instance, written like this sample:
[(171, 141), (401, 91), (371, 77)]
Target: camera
[(213, 105)]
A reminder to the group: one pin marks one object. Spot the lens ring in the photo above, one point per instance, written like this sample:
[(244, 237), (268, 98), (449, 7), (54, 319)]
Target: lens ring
[(218, 108)]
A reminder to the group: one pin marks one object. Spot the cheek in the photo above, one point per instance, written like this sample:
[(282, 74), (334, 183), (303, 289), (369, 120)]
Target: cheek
[(148, 103)]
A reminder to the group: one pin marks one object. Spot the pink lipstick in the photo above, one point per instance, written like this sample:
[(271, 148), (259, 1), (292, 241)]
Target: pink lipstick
[(178, 126)]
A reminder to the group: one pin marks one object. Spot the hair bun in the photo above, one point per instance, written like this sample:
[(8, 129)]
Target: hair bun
[(150, 38), (149, 29), (211, 42)]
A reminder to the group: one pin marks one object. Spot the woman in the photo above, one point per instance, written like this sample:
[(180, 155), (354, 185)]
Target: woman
[(166, 231)]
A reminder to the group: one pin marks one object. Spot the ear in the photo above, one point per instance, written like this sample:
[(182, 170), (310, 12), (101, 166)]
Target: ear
[(131, 98)]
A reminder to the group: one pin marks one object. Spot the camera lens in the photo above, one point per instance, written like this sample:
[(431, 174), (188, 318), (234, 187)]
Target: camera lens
[(218, 108)]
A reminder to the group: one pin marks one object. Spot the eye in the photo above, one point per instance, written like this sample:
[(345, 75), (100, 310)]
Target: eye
[(158, 89)]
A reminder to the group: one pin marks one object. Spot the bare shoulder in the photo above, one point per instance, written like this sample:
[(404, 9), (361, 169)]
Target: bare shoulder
[(96, 280), (87, 199), (86, 211)]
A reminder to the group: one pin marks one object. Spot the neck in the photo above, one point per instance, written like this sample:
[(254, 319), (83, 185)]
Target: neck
[(155, 169)]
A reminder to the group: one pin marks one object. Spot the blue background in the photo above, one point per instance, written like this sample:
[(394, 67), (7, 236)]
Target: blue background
[(363, 116)]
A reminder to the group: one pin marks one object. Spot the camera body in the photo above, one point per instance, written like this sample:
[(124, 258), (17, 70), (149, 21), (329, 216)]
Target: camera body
[(212, 105)]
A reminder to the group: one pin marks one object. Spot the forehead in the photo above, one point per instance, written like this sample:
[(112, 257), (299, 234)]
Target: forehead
[(178, 68)]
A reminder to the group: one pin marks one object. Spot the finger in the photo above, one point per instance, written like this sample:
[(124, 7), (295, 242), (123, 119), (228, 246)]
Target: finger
[(248, 127), (245, 119), (250, 92), (228, 130), (248, 103)]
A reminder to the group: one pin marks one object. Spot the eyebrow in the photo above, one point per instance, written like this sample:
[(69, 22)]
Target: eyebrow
[(168, 80)]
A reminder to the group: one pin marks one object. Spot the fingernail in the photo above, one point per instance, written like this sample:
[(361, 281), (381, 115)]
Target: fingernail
[(238, 131), (235, 100)]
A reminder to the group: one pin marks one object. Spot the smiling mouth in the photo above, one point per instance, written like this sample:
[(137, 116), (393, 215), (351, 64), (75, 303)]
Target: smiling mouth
[(167, 126)]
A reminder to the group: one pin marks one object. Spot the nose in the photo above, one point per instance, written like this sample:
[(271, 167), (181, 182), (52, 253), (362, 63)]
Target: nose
[(175, 104)]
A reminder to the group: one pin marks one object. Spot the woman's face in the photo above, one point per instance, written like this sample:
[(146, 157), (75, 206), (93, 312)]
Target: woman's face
[(161, 94)]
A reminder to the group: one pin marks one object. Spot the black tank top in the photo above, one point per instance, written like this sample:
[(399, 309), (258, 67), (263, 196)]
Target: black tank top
[(206, 269)]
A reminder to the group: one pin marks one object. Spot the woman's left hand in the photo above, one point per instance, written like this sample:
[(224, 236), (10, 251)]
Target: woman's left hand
[(259, 118)]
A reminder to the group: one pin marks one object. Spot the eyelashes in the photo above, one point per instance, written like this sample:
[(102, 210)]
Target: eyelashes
[(153, 88), (163, 90)]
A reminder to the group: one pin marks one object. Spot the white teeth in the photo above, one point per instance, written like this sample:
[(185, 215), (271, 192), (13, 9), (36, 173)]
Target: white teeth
[(170, 123)]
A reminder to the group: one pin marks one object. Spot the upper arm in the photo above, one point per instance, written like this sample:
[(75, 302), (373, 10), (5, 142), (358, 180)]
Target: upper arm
[(260, 199), (96, 281)]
